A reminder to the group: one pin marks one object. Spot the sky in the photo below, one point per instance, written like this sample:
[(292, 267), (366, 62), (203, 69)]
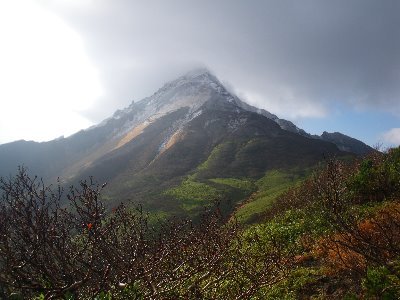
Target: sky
[(324, 65)]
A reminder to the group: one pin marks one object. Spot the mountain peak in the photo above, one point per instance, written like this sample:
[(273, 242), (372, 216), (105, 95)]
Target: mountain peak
[(199, 90), (346, 143), (200, 76), (198, 72), (192, 125)]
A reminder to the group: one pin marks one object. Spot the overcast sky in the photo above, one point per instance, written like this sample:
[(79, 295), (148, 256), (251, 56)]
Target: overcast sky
[(325, 65)]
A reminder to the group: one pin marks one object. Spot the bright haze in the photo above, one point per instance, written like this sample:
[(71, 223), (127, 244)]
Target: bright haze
[(324, 65)]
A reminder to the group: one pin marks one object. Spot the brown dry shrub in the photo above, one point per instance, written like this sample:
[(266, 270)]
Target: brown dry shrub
[(69, 245), (375, 240), (338, 256)]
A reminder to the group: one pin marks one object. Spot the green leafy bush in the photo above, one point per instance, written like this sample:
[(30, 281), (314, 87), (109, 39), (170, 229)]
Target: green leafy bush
[(378, 283)]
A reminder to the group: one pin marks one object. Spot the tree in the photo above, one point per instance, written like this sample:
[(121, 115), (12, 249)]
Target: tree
[(55, 244)]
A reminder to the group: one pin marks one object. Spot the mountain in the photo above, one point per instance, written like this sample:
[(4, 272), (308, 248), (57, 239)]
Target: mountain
[(189, 143), (346, 143)]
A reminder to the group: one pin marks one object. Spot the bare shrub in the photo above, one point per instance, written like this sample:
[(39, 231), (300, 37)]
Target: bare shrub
[(56, 244)]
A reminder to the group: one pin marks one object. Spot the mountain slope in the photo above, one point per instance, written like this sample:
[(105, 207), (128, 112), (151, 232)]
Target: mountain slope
[(184, 138), (346, 143)]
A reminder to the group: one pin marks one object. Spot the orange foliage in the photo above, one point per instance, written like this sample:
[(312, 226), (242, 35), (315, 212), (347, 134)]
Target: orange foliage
[(338, 256), (376, 239)]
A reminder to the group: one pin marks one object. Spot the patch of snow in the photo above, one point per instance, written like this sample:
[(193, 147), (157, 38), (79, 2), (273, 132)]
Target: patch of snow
[(195, 115), (209, 122), (191, 90), (234, 124)]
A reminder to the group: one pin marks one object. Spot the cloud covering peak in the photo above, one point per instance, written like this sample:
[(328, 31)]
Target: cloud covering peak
[(298, 59)]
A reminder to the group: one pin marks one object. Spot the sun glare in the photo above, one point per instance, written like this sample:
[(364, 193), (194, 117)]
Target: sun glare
[(46, 77)]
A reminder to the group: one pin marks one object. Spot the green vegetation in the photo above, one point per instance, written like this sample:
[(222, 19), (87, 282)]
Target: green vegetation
[(380, 283), (193, 194), (273, 184), (245, 185), (342, 228), (87, 252), (218, 156), (332, 235), (292, 286)]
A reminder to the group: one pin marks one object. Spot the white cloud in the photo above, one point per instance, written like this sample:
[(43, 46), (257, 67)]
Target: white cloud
[(392, 136), (47, 78), (288, 105)]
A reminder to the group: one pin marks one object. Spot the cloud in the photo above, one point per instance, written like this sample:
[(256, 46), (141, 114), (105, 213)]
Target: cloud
[(323, 52), (392, 137), (297, 59), (46, 78)]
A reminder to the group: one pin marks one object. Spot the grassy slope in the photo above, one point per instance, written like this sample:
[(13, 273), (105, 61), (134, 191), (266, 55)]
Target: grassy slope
[(248, 196), (269, 187), (252, 197), (301, 231), (193, 194)]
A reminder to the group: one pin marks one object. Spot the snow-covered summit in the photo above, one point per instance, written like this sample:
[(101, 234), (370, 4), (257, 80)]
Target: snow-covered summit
[(191, 91), (194, 78)]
